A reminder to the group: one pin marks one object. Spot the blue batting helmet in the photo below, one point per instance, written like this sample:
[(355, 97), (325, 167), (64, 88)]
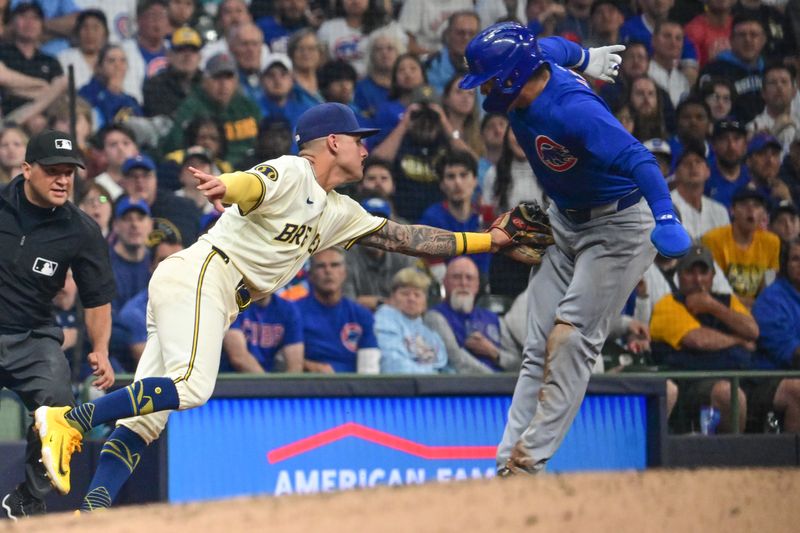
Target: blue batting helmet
[(506, 52)]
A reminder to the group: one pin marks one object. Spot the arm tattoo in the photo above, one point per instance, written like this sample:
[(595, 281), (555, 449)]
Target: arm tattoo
[(415, 240)]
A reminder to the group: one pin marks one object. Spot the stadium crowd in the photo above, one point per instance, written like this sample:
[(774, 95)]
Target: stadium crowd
[(710, 88)]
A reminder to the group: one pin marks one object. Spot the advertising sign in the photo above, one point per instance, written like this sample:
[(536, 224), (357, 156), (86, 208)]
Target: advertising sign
[(241, 446)]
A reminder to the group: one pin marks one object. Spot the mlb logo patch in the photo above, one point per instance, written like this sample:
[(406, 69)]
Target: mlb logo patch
[(45, 267), (63, 144)]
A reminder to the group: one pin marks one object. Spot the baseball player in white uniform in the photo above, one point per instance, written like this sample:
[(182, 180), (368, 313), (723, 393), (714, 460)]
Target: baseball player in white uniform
[(282, 211)]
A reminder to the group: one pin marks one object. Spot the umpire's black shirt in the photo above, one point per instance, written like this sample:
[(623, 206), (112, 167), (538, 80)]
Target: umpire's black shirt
[(37, 246)]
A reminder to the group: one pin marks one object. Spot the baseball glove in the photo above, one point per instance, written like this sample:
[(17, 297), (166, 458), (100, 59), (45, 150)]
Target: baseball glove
[(528, 227)]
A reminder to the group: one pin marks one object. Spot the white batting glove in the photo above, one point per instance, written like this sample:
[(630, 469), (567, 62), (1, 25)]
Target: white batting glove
[(604, 62)]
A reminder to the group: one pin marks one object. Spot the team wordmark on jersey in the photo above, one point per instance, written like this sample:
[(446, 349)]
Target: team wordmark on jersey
[(298, 234), (554, 156), (268, 171)]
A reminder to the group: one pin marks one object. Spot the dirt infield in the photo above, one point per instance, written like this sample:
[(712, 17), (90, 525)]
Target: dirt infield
[(652, 501)]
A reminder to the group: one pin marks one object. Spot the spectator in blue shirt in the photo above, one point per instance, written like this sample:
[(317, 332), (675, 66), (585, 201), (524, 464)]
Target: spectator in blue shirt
[(264, 330), (383, 49), (290, 16), (278, 98), (105, 90), (457, 172), (470, 334), (408, 74), (640, 28), (777, 312), (728, 171), (407, 345), (163, 242), (130, 263), (442, 66), (337, 82), (338, 332)]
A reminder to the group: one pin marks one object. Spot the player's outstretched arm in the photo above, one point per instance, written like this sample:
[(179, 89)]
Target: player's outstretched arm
[(242, 188), (419, 240)]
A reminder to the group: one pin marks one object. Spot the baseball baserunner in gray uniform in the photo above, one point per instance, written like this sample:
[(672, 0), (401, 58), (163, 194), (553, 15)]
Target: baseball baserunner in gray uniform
[(598, 177)]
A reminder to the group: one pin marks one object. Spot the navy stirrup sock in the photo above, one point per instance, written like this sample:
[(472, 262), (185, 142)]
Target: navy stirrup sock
[(118, 459), (139, 398)]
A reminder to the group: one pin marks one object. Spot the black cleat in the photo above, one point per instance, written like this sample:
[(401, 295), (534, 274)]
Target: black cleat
[(18, 504)]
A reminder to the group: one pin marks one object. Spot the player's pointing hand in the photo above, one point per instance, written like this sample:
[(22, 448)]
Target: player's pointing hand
[(604, 62), (213, 188)]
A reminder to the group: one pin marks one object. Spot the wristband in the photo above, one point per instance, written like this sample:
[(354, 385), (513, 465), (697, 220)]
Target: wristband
[(585, 62), (472, 243)]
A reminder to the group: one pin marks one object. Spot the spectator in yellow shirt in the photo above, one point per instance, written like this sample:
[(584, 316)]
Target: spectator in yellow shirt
[(746, 254), (695, 329)]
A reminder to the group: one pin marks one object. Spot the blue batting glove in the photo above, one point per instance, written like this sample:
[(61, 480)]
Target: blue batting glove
[(669, 237)]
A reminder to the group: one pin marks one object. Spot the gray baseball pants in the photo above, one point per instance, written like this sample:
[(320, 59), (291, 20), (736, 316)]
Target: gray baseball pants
[(584, 281)]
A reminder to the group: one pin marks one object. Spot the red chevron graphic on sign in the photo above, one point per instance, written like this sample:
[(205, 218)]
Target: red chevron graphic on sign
[(351, 429)]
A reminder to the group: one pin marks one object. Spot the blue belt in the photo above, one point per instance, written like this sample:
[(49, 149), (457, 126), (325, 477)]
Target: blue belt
[(581, 216)]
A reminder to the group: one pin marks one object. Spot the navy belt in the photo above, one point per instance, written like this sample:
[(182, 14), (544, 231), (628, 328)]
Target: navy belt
[(581, 216), (243, 299)]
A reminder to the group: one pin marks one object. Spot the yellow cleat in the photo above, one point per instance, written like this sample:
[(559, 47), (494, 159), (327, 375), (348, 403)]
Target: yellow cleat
[(59, 442)]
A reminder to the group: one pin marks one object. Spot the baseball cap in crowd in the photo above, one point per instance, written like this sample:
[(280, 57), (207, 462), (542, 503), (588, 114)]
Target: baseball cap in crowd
[(761, 141), (325, 119), (186, 37), (597, 3), (277, 59), (28, 5), (221, 63), (52, 148), (748, 193), (784, 206), (196, 152), (163, 230), (377, 206), (658, 147), (125, 205), (728, 124), (138, 161), (697, 254), (693, 148), (275, 123)]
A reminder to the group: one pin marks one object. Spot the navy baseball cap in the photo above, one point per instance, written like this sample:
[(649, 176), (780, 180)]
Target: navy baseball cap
[(748, 193), (761, 141), (138, 161), (324, 119), (125, 204), (377, 206)]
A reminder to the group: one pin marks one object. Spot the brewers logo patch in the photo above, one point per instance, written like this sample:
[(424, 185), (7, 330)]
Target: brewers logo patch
[(553, 155), (268, 171)]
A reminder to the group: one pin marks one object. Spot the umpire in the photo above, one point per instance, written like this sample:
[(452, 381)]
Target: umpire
[(42, 235)]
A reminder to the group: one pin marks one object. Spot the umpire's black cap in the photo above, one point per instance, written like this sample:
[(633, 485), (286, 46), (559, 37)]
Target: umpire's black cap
[(53, 148)]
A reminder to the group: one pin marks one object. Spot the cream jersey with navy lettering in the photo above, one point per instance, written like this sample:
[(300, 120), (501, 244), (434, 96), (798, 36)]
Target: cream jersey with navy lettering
[(294, 218)]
